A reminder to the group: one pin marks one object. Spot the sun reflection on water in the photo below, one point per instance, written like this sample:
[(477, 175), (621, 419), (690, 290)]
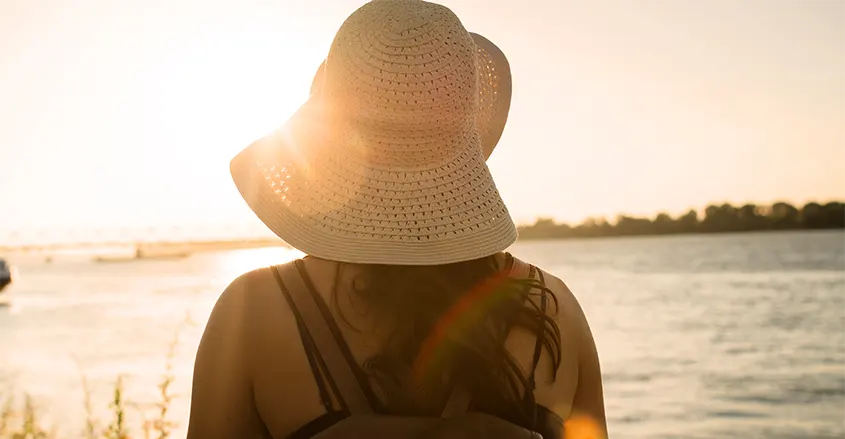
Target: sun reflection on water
[(235, 263)]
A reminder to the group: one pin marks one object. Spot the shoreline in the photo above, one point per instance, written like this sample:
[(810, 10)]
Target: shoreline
[(170, 250)]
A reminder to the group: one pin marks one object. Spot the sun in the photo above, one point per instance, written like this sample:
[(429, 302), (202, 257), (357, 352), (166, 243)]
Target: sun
[(202, 101)]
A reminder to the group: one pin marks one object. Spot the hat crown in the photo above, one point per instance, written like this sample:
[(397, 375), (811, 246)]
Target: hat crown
[(404, 66)]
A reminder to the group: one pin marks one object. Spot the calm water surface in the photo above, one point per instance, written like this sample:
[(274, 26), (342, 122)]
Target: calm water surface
[(699, 336)]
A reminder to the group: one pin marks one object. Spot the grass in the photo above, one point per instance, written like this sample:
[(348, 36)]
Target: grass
[(22, 422)]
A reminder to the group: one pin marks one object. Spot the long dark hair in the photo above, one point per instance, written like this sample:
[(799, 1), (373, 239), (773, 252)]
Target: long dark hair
[(447, 325)]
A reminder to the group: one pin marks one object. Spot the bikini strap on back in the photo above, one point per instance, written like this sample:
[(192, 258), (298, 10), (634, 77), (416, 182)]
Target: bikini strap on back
[(328, 347)]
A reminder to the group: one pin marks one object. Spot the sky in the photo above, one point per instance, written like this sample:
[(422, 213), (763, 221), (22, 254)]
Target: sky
[(124, 114)]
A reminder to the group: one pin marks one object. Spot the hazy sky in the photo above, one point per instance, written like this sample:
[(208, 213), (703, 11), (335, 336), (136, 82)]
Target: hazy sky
[(126, 112)]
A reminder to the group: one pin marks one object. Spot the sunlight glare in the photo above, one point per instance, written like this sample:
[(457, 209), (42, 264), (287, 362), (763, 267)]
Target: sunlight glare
[(235, 263), (582, 427)]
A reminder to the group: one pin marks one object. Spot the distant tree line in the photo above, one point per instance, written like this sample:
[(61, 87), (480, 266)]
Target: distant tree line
[(716, 219)]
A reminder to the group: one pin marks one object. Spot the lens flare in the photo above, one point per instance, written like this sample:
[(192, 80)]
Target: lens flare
[(581, 426), (462, 314)]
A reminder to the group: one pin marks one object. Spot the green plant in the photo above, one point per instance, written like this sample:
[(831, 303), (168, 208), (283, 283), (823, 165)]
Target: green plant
[(29, 426), (161, 424), (117, 428), (90, 421), (6, 414)]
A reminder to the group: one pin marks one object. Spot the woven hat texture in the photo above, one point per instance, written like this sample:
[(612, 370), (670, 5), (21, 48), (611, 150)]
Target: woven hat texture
[(385, 162)]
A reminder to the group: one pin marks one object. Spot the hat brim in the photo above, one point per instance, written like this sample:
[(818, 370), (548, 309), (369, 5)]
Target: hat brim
[(497, 63)]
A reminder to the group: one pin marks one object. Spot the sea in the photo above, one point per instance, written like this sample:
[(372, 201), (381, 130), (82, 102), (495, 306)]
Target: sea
[(700, 336)]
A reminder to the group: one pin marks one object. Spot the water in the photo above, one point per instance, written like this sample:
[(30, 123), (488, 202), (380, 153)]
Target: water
[(699, 336)]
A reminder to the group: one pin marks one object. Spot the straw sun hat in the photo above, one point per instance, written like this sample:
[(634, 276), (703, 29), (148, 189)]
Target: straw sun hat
[(385, 162)]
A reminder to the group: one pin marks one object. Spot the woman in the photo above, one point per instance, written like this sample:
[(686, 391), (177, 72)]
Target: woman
[(380, 178)]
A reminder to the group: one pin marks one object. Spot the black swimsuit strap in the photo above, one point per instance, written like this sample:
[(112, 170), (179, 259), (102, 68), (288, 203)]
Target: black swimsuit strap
[(360, 375), (314, 360)]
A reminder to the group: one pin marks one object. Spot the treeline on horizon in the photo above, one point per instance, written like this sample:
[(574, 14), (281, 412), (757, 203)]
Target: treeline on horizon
[(723, 218)]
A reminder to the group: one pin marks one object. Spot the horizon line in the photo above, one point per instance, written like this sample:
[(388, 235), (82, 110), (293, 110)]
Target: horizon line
[(257, 230)]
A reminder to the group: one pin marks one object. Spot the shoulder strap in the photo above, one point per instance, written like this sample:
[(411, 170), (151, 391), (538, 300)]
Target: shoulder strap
[(318, 366), (314, 322)]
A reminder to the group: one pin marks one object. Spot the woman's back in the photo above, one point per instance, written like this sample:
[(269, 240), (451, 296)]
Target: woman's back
[(252, 371), (381, 178)]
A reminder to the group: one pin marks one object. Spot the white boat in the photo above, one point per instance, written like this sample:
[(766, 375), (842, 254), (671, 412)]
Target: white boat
[(5, 275)]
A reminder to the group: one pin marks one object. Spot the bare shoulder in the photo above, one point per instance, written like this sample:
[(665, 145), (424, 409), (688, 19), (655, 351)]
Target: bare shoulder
[(222, 403), (246, 366), (569, 312), (251, 321), (580, 394), (251, 293), (242, 308), (254, 301), (249, 286)]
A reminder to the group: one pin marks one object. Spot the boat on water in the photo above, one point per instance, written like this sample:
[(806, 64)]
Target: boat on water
[(5, 274)]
